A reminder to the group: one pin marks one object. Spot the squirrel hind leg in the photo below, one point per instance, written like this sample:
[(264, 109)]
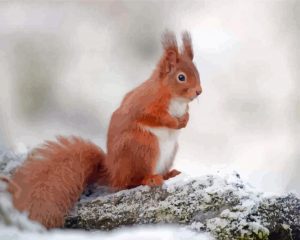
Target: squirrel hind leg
[(153, 180), (171, 174), (133, 160)]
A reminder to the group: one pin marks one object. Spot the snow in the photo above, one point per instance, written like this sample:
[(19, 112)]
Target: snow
[(237, 198), (138, 233), (11, 217), (12, 158)]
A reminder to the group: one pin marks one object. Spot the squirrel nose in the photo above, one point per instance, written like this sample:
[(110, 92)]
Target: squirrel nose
[(198, 92)]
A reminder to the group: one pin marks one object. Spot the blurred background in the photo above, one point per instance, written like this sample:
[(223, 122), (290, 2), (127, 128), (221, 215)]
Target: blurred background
[(66, 65)]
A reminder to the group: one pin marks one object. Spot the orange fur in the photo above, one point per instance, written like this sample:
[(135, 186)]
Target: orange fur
[(54, 175), (53, 178)]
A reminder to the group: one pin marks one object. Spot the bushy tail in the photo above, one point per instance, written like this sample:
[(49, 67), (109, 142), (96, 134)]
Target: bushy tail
[(53, 177)]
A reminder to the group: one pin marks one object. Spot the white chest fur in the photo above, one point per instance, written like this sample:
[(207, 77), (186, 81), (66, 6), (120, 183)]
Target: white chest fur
[(178, 107), (167, 138)]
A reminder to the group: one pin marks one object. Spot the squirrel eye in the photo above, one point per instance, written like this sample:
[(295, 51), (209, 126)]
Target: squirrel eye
[(181, 77)]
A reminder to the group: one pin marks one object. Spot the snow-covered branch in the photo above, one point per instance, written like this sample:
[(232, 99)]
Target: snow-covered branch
[(223, 206)]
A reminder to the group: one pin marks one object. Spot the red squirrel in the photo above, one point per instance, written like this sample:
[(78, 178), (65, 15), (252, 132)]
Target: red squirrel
[(141, 143)]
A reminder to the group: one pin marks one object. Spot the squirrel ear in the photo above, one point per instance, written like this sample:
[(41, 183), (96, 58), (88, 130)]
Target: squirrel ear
[(187, 45), (171, 55), (170, 60)]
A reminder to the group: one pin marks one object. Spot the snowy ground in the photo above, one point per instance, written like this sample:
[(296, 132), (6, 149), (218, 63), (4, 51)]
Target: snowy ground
[(14, 225), (210, 189), (138, 233)]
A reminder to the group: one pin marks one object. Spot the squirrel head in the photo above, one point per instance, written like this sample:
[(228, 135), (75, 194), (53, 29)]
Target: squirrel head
[(176, 69)]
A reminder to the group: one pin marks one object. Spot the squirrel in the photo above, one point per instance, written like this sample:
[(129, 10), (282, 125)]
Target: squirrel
[(141, 143)]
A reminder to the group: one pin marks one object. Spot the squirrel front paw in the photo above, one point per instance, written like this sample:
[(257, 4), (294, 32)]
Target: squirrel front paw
[(183, 120), (153, 181)]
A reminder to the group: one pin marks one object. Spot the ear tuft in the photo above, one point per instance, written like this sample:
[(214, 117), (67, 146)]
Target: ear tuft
[(169, 41), (187, 45), (171, 54)]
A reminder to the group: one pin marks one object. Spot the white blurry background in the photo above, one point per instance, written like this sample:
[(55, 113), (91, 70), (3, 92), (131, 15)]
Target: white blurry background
[(65, 66)]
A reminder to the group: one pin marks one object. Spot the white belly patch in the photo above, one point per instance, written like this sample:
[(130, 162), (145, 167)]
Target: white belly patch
[(167, 137), (167, 140)]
